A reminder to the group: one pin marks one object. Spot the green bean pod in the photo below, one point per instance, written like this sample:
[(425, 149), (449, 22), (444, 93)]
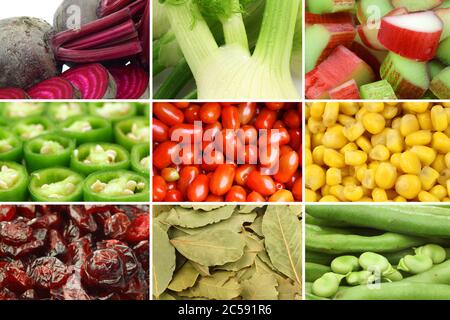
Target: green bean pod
[(426, 221), (314, 271), (319, 257), (345, 264), (327, 285), (434, 251), (439, 273)]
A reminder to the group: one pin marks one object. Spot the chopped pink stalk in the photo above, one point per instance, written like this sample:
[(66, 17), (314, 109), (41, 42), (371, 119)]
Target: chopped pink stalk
[(340, 34), (338, 17), (13, 93), (54, 88), (93, 80), (132, 81), (373, 58), (414, 36), (110, 6), (103, 54), (145, 34), (347, 91)]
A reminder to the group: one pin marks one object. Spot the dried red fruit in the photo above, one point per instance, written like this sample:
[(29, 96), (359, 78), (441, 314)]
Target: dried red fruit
[(83, 219), (57, 245), (139, 229), (15, 232), (104, 268), (48, 273), (7, 213), (117, 225)]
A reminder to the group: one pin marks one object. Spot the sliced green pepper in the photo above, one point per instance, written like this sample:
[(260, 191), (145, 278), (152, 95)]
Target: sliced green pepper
[(56, 185), (13, 182), (113, 111), (62, 111), (142, 109), (10, 146), (31, 127), (20, 110), (140, 159), (85, 129), (92, 157), (48, 151), (116, 186), (132, 131)]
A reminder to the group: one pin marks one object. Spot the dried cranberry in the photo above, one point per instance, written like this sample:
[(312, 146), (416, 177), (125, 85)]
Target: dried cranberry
[(139, 229), (83, 219), (117, 225), (129, 258), (29, 295), (71, 290), (79, 250), (27, 211), (57, 246), (142, 251), (15, 232), (49, 220), (7, 212), (137, 288), (104, 268), (48, 272), (72, 232), (6, 294), (40, 234), (27, 248), (17, 279)]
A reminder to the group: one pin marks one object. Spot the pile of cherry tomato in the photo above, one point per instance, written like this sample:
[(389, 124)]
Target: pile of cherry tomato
[(217, 180)]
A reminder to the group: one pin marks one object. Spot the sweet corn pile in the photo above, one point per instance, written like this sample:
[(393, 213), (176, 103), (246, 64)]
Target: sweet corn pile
[(377, 151)]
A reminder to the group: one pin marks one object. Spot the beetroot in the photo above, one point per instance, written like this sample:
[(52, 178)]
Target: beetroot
[(26, 57), (54, 88), (13, 93), (132, 82), (92, 80)]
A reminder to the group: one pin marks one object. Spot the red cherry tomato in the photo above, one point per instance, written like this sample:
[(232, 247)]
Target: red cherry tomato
[(246, 112), (210, 112), (199, 189), (171, 185), (297, 189), (168, 113), (236, 194), (214, 198), (288, 166), (230, 118), (255, 197), (211, 131), (192, 113), (248, 135), (296, 139), (170, 174), (242, 173), (181, 105), (274, 105), (186, 133), (292, 119), (160, 131), (282, 196), (222, 179), (159, 188), (260, 183), (187, 176), (173, 196), (162, 155), (212, 159), (266, 119)]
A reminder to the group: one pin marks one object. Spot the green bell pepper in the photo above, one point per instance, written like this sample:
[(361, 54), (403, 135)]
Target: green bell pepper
[(56, 185), (113, 111), (131, 132), (92, 157), (13, 182), (142, 109), (85, 129), (48, 151), (10, 146), (32, 127), (19, 110), (116, 186), (140, 159), (58, 112)]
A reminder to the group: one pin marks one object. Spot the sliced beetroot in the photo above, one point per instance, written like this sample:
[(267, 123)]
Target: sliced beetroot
[(132, 81), (54, 88), (13, 93), (93, 81)]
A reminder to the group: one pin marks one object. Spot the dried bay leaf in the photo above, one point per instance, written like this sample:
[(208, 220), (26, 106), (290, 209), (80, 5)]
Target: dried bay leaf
[(204, 207), (184, 278), (163, 263), (288, 290), (158, 210), (222, 285), (252, 247), (211, 248), (282, 231), (234, 223), (166, 296), (248, 208), (203, 270), (260, 287), (256, 226), (189, 218)]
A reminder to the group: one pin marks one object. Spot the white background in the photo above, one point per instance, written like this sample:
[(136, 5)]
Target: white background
[(43, 9)]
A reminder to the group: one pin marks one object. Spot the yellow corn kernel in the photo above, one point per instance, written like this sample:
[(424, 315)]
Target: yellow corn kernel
[(316, 110), (439, 118), (308, 157), (347, 171), (334, 137), (448, 188), (394, 140), (325, 190), (359, 172), (447, 160), (345, 120), (408, 186), (307, 140), (349, 108), (330, 113), (444, 176), (315, 177), (353, 193), (447, 110), (385, 175), (365, 199), (439, 191), (317, 139), (354, 131), (368, 179), (410, 163), (333, 176), (446, 199), (315, 126), (428, 176), (317, 155), (425, 196), (374, 106), (416, 107), (446, 104), (409, 124), (374, 165), (338, 192), (379, 153), (355, 158), (390, 112), (333, 158), (425, 154), (440, 142), (373, 122), (350, 181), (396, 123), (399, 199), (329, 199), (310, 196), (421, 137), (364, 144), (348, 147), (379, 138), (360, 114), (424, 120), (395, 160), (439, 163), (379, 195)]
